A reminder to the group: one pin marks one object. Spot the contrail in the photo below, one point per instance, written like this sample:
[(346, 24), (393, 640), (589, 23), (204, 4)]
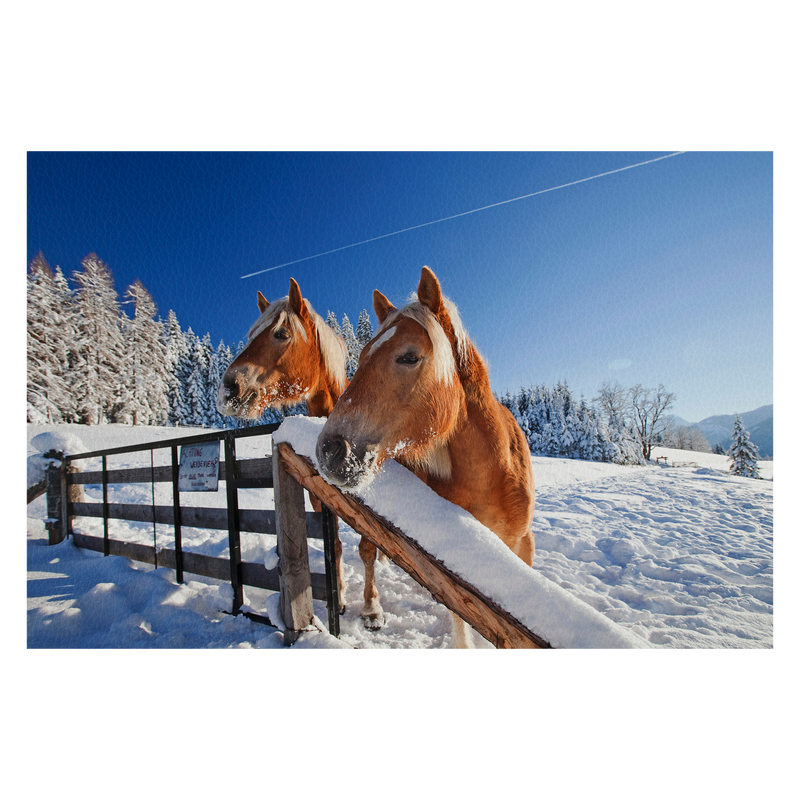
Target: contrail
[(465, 213)]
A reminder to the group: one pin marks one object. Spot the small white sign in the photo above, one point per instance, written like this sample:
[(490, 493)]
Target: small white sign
[(199, 468)]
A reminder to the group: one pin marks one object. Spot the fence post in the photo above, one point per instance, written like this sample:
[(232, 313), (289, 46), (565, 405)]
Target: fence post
[(329, 533), (176, 515), (234, 539), (55, 501), (296, 604)]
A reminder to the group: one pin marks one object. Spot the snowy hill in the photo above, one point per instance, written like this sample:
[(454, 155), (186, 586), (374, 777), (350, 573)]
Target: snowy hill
[(679, 556)]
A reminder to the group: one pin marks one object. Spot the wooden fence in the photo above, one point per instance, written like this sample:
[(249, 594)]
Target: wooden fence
[(65, 502), (288, 473)]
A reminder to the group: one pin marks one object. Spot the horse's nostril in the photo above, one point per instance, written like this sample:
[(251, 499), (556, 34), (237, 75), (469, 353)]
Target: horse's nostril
[(334, 451), (232, 389)]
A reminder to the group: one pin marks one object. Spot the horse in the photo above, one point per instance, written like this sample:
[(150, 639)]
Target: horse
[(292, 355), (421, 395)]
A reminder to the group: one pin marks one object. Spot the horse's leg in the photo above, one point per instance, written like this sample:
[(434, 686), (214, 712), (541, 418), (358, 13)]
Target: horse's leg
[(372, 615), (337, 550), (461, 633)]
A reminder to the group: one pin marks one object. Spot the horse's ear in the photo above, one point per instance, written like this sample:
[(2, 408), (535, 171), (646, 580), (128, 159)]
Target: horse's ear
[(429, 291), (382, 306), (263, 304), (296, 299)]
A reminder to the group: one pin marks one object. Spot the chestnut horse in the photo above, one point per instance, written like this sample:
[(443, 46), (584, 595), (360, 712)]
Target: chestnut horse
[(291, 355), (421, 395)]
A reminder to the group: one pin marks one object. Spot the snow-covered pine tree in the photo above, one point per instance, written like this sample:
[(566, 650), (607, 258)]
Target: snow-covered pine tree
[(221, 359), (67, 354), (99, 345), (146, 367), (743, 454), (364, 332), (511, 402), (554, 424), (534, 412), (589, 446), (197, 383), (353, 349), (48, 395), (564, 421), (179, 369), (620, 445), (333, 323)]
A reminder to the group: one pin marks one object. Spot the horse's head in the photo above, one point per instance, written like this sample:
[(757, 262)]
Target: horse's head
[(288, 348), (406, 395)]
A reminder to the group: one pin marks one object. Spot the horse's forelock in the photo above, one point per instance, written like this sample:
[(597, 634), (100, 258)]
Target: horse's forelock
[(446, 360), (281, 312)]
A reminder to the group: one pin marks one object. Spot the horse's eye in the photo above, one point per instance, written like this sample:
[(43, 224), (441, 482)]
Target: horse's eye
[(408, 358), (281, 334)]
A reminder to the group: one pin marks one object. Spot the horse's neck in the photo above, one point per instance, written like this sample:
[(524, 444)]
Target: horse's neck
[(319, 404), (477, 425), (321, 401)]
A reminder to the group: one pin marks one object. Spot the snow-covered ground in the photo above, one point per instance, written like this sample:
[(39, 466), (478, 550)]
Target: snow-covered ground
[(680, 557)]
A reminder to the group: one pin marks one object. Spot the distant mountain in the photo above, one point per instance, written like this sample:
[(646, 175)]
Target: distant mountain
[(718, 429), (761, 435)]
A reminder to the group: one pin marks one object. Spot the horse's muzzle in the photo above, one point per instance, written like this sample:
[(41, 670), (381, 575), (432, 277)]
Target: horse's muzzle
[(341, 462), (230, 399)]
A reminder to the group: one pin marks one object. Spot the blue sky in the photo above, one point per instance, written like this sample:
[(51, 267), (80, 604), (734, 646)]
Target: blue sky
[(658, 274)]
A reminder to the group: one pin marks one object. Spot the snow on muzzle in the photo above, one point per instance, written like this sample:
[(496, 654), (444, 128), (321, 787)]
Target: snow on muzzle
[(343, 462), (232, 400)]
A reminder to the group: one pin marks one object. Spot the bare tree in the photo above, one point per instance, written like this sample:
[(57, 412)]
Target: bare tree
[(696, 440), (648, 408), (613, 404)]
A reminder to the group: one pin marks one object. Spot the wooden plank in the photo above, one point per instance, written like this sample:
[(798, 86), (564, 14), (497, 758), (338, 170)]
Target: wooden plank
[(258, 430), (37, 490), (256, 575), (254, 473), (480, 611), (250, 520), (296, 607)]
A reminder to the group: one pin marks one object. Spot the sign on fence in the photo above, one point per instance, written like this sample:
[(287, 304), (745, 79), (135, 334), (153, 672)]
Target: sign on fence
[(199, 467)]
